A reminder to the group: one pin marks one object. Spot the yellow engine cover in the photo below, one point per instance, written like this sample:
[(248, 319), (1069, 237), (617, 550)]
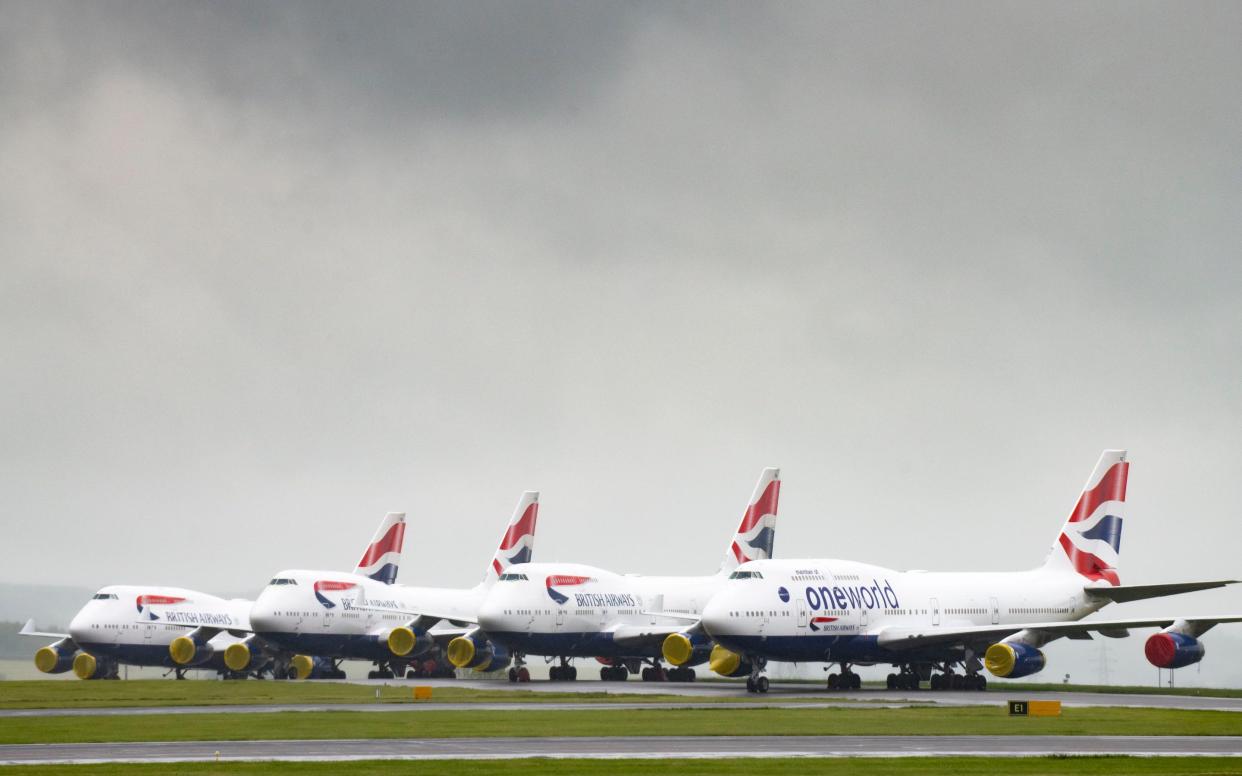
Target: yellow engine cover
[(303, 665), (723, 661), (237, 657), (461, 652), (84, 666), (677, 649), (182, 650), (1000, 659), (401, 641), (46, 659)]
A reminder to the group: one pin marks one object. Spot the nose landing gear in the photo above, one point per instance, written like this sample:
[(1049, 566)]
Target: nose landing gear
[(757, 682)]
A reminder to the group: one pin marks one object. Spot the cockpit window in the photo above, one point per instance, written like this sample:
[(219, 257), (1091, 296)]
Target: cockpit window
[(283, 581), (513, 577), (746, 575), (104, 597)]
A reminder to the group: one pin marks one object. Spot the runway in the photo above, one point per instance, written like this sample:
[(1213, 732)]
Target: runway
[(626, 747)]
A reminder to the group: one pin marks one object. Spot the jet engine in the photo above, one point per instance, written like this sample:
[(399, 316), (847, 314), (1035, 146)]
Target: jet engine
[(312, 667), (87, 666), (56, 658), (1011, 661), (244, 656), (406, 641), (1169, 649), (191, 649), (686, 649), (476, 651), (727, 663)]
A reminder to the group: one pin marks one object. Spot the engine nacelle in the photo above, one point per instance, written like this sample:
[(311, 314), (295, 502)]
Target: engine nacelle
[(239, 657), (1173, 650), (55, 658), (406, 642), (1012, 661), (727, 663), (475, 651), (686, 649), (309, 667), (190, 650)]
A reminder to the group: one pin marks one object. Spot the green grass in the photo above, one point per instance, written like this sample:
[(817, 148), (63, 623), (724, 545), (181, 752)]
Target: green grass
[(954, 766), (973, 720), (39, 694), (1206, 692)]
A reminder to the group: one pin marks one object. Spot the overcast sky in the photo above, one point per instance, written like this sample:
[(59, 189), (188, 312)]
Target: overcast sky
[(271, 270)]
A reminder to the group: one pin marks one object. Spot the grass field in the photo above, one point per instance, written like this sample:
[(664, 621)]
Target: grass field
[(954, 766), (36, 694), (641, 722)]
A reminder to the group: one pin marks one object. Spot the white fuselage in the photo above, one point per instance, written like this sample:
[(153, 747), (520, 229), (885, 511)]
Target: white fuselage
[(574, 610), (116, 624), (330, 622), (838, 610)]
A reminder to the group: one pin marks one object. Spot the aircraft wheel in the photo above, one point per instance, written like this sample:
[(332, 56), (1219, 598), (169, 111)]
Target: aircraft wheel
[(523, 674), (761, 684), (750, 684), (834, 681), (573, 674), (981, 682)]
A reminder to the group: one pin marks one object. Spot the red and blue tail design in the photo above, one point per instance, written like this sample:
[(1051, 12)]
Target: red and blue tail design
[(757, 532), (518, 541), (330, 586), (1090, 540), (383, 556)]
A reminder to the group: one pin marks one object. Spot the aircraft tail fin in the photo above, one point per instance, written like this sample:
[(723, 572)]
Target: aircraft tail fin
[(518, 541), (383, 555), (1089, 543), (757, 531)]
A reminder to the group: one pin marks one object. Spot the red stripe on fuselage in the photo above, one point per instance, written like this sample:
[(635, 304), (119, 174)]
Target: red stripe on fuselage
[(390, 542), (144, 600), (1111, 487), (328, 584), (524, 526), (560, 580), (766, 505)]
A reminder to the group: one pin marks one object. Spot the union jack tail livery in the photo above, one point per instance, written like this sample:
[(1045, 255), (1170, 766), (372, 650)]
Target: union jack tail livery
[(1090, 540), (383, 554), (518, 542), (754, 537)]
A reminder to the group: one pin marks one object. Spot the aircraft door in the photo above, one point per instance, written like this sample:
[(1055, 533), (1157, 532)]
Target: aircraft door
[(802, 612), (995, 611), (862, 620), (935, 611), (560, 618)]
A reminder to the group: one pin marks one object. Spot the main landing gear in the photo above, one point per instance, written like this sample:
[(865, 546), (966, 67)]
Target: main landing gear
[(382, 671), (757, 682), (907, 679), (563, 672), (971, 680), (846, 680)]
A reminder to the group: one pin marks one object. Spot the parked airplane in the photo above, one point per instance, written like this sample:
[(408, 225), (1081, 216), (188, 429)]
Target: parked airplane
[(367, 616), (119, 626), (565, 610), (851, 613)]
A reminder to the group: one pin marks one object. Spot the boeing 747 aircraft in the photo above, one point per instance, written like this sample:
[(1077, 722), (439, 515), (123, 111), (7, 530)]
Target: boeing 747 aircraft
[(926, 624)]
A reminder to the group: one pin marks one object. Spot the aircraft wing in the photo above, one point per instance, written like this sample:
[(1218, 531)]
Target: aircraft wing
[(1122, 593), (644, 635), (980, 635), (29, 630)]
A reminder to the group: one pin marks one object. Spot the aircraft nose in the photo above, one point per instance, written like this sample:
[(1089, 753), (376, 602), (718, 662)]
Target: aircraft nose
[(79, 627), (716, 618), (491, 614), (261, 613)]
